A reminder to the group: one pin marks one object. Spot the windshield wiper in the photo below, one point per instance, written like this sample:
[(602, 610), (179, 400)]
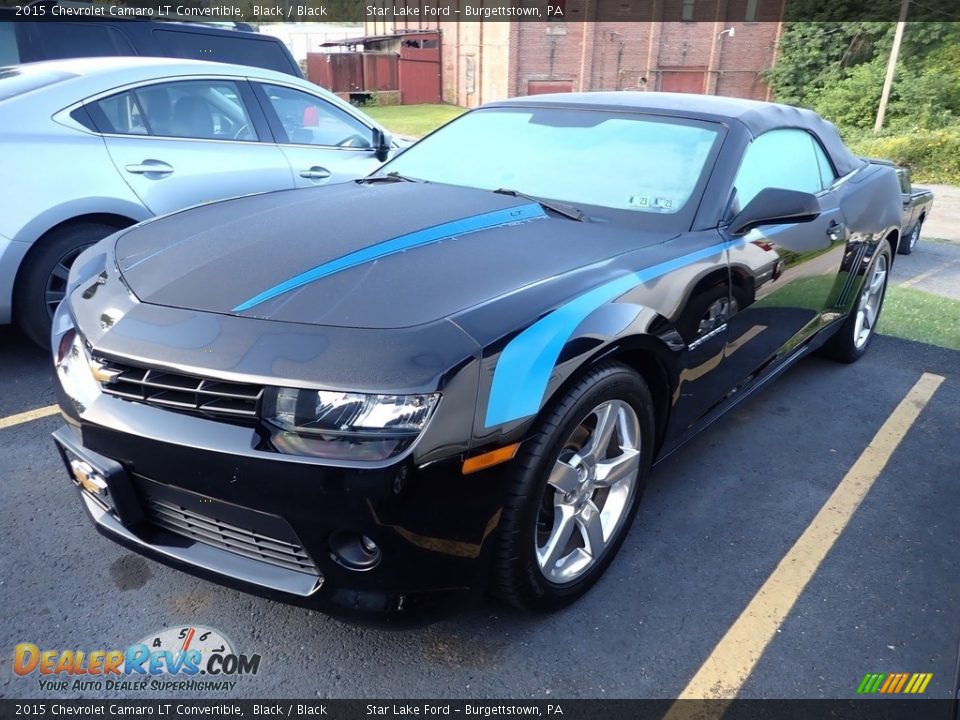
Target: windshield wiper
[(568, 211), (389, 177)]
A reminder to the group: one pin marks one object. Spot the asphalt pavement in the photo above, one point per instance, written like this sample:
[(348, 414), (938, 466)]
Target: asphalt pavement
[(716, 521)]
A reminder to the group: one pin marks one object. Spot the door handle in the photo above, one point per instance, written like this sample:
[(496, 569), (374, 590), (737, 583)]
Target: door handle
[(149, 166), (835, 231), (315, 173)]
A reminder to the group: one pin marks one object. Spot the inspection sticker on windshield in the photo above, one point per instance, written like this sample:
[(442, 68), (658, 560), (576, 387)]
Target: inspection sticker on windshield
[(646, 201)]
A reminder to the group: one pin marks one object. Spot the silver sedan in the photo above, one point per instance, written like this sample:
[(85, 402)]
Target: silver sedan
[(91, 146)]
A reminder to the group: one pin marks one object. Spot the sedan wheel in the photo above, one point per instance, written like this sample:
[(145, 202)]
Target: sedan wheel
[(56, 288), (574, 488), (42, 279)]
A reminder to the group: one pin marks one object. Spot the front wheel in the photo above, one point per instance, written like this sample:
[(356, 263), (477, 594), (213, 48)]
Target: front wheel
[(854, 336), (575, 490)]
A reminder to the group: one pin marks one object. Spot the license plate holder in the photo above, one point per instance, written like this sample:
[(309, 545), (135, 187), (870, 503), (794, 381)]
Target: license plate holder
[(99, 478)]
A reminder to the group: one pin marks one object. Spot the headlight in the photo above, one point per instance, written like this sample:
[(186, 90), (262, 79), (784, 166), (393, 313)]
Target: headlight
[(73, 370), (344, 425)]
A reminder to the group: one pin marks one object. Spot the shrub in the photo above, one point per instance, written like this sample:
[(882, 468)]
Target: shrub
[(933, 156)]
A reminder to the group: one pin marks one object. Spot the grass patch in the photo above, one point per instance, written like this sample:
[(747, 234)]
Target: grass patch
[(412, 120), (907, 313), (913, 314)]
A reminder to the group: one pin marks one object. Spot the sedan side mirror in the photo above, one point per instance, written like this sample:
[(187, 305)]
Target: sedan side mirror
[(772, 206), (382, 142)]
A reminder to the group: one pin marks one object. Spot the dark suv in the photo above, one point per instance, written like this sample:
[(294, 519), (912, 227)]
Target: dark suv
[(42, 39)]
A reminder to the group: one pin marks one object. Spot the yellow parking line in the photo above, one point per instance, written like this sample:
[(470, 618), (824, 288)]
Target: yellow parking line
[(734, 657), (27, 416)]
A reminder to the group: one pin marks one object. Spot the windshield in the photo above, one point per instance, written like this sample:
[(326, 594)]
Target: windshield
[(620, 161)]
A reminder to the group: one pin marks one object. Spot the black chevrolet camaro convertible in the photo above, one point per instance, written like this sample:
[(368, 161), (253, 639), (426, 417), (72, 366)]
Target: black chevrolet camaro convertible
[(455, 375)]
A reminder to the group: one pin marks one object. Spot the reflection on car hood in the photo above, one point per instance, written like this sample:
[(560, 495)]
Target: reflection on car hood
[(360, 255)]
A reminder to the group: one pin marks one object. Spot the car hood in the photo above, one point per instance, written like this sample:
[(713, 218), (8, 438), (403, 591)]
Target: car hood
[(384, 255)]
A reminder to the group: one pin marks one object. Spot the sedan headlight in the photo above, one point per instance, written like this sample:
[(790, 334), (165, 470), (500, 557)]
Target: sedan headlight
[(345, 425)]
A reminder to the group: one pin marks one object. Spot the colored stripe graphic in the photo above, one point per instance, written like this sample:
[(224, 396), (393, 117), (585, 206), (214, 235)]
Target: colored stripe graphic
[(908, 683), (419, 238), (526, 363)]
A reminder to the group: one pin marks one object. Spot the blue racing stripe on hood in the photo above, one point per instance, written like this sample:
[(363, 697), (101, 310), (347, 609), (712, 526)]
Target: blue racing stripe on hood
[(526, 363), (444, 231)]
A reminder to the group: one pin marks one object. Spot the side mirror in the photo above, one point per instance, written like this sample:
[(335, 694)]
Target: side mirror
[(772, 206), (382, 143)]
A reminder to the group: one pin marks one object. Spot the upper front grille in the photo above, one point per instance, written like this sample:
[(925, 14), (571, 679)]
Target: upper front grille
[(231, 401)]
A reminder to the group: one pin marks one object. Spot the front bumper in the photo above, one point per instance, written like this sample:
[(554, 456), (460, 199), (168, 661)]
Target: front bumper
[(193, 493)]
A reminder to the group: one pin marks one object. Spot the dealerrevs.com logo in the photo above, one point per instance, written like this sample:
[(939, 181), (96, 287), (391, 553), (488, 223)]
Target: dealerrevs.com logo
[(175, 659)]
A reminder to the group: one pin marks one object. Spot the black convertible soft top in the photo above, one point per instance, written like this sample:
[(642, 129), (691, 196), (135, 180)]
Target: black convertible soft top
[(757, 116)]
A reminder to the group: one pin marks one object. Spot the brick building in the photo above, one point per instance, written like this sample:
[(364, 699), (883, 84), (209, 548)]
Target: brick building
[(693, 52)]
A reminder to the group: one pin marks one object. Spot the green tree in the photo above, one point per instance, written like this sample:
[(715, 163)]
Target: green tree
[(838, 69)]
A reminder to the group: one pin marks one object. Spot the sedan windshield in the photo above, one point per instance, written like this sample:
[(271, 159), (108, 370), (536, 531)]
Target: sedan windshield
[(612, 160)]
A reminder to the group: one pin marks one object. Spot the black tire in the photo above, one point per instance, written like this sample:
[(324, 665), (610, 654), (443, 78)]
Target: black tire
[(843, 346), (44, 270), (518, 578), (908, 243)]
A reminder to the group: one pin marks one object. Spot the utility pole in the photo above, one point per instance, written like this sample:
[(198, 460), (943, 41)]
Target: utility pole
[(891, 66)]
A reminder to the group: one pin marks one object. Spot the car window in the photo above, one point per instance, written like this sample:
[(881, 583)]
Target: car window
[(827, 176), (80, 39), (904, 181), (233, 48), (309, 120), (202, 109), (9, 51), (779, 159)]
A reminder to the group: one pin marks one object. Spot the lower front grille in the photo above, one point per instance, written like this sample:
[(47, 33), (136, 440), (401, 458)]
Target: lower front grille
[(177, 519)]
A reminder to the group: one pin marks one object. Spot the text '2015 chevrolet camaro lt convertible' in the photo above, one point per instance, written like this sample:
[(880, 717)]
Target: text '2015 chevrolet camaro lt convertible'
[(456, 374)]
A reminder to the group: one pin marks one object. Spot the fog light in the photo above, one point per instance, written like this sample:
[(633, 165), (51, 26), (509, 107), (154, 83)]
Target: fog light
[(353, 550)]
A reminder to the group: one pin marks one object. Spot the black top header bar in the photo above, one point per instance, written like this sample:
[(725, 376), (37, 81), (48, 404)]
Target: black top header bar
[(411, 14)]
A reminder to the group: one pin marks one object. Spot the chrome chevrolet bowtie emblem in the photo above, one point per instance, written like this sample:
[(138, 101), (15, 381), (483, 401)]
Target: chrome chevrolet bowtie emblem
[(102, 374)]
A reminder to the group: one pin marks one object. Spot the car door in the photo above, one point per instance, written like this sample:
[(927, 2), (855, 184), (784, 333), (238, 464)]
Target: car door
[(322, 142), (185, 142), (783, 276)]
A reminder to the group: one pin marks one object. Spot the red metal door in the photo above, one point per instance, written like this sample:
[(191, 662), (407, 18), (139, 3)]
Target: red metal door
[(420, 69), (337, 72), (688, 80)]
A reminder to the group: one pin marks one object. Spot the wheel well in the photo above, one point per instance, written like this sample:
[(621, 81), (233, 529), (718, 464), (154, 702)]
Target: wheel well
[(894, 239), (117, 221), (655, 375)]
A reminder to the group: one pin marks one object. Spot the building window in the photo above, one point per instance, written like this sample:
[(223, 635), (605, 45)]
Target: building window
[(751, 15), (686, 10)]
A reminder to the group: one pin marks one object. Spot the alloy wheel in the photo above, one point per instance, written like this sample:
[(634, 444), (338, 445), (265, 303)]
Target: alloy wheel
[(56, 288), (588, 492), (871, 298)]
